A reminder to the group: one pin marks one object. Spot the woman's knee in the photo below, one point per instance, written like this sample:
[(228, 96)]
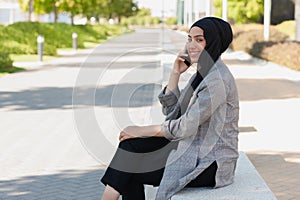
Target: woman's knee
[(126, 145)]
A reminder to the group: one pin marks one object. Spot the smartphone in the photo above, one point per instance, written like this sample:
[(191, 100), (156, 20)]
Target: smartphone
[(187, 59)]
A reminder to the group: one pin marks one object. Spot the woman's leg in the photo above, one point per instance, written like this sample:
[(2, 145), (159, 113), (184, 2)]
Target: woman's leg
[(110, 193), (131, 185)]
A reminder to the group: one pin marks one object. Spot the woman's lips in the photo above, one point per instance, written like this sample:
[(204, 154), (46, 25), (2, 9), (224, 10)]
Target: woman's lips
[(194, 53)]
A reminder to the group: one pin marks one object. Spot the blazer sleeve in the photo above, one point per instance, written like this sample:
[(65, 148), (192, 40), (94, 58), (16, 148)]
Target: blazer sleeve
[(169, 100), (209, 98)]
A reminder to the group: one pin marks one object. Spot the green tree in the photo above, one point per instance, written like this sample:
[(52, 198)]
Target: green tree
[(125, 8), (74, 7), (119, 8), (27, 6), (41, 7), (242, 11), (93, 8), (90, 8), (144, 12)]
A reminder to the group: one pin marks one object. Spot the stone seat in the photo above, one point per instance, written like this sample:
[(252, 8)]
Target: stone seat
[(248, 185)]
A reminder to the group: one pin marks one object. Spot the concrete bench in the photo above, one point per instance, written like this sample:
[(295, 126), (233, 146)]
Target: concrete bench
[(248, 185)]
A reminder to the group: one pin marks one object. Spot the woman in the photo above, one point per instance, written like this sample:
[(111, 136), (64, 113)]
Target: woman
[(202, 118)]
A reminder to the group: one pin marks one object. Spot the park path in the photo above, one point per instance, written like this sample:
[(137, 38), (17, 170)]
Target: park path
[(42, 154), (47, 153)]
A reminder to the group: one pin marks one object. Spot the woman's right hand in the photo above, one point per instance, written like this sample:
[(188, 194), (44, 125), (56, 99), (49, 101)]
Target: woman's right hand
[(179, 66)]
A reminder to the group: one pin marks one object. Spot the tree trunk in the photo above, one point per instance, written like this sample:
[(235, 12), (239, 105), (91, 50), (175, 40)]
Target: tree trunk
[(30, 10), (55, 13), (72, 18)]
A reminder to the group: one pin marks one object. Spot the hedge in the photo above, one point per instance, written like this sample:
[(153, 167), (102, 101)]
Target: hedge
[(285, 53), (5, 61), (278, 49)]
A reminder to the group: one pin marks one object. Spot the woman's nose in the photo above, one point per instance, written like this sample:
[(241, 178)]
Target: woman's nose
[(192, 44)]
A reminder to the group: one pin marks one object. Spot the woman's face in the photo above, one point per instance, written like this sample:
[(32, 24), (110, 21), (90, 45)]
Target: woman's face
[(196, 43)]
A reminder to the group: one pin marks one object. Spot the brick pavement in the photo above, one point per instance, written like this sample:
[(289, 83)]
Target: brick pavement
[(280, 170), (42, 155)]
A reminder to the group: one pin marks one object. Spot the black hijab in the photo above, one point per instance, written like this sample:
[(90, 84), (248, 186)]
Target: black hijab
[(217, 33), (218, 36)]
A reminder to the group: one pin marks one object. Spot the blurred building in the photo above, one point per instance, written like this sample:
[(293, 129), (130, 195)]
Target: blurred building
[(61, 17), (10, 12), (189, 11), (159, 8)]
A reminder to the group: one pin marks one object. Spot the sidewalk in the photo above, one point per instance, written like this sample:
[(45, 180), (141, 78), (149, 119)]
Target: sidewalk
[(44, 147), (43, 152)]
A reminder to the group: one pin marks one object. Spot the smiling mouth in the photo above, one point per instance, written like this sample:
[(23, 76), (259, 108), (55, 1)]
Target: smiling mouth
[(194, 53)]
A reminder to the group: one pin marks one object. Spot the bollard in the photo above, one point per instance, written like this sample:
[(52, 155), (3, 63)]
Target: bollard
[(40, 41), (74, 36)]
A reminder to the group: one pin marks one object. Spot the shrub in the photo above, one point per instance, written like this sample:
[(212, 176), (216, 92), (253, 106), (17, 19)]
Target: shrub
[(244, 40), (242, 11), (5, 61), (171, 21), (155, 20), (249, 38), (140, 20), (284, 53)]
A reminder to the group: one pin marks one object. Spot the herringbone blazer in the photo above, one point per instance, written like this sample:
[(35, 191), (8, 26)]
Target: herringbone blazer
[(207, 131)]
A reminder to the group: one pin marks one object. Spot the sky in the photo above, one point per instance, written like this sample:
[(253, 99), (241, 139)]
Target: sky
[(156, 6)]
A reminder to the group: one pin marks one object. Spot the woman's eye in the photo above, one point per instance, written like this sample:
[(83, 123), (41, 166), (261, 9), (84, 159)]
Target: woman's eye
[(189, 39), (199, 40)]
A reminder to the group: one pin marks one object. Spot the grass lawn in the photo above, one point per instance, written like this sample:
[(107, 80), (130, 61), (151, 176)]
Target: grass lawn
[(288, 27), (4, 71), (29, 57), (34, 57), (19, 41), (91, 44)]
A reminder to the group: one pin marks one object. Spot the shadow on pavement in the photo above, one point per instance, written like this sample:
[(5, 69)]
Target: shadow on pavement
[(107, 65), (61, 98), (263, 89), (132, 95), (117, 51), (66, 185), (280, 170)]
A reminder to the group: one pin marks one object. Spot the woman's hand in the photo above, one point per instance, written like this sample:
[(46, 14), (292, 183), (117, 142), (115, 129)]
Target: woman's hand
[(140, 131), (129, 132), (179, 66)]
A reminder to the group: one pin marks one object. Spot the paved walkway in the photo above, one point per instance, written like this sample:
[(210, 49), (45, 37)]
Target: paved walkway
[(53, 146)]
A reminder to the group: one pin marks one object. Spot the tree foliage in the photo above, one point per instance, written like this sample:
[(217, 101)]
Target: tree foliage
[(90, 8), (242, 11)]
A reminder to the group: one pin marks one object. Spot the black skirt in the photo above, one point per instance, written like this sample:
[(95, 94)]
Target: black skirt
[(131, 185)]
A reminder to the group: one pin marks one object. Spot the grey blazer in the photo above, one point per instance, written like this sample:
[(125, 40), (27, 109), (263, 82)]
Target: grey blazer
[(207, 131)]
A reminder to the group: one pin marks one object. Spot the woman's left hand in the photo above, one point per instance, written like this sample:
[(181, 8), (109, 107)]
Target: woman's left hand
[(129, 132), (140, 131)]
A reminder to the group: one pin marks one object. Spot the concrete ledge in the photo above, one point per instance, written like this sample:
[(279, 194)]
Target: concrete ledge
[(248, 185)]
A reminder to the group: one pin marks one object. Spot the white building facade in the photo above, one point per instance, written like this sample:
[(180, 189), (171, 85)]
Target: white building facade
[(189, 11), (10, 12)]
